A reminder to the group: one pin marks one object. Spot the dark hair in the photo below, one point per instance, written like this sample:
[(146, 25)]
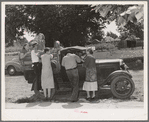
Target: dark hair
[(46, 49), (68, 51), (90, 51)]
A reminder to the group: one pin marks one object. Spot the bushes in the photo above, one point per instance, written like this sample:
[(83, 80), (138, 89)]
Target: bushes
[(135, 63), (105, 46), (100, 47), (12, 49)]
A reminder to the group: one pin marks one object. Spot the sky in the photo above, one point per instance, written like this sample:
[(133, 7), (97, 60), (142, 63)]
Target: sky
[(29, 36), (112, 27)]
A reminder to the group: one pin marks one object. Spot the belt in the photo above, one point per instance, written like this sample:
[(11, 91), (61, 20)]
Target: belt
[(71, 69), (35, 63)]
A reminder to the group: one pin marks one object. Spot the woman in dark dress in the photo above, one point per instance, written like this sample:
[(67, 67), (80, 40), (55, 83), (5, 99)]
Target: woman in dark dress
[(90, 84)]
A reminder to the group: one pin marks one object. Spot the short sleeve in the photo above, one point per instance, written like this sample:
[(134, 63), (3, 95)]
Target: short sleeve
[(77, 58)]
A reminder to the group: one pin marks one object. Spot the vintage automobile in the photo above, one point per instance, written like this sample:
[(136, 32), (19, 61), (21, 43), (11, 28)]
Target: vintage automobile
[(13, 66), (110, 72)]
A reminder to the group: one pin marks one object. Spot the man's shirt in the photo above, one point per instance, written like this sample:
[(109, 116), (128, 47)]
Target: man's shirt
[(70, 61), (34, 57)]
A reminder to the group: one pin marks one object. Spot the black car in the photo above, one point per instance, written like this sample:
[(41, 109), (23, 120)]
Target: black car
[(110, 72)]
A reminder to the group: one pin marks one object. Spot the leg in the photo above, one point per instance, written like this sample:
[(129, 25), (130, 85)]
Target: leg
[(39, 76), (88, 94), (75, 83), (35, 85), (93, 94), (49, 93), (52, 93), (44, 91), (55, 82)]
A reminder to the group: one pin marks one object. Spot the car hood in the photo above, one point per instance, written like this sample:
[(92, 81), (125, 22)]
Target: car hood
[(14, 60), (109, 61)]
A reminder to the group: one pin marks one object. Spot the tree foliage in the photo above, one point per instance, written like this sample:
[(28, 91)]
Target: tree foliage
[(130, 17), (114, 36), (66, 23), (70, 24)]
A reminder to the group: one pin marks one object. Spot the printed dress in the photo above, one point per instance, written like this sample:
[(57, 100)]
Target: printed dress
[(90, 83)]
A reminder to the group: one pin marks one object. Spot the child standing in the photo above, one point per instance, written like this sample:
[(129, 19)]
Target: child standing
[(47, 73)]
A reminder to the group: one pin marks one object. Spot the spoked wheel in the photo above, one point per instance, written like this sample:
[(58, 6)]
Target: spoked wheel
[(122, 87)]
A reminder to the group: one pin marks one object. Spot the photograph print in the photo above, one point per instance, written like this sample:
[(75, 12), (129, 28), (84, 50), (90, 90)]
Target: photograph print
[(74, 57)]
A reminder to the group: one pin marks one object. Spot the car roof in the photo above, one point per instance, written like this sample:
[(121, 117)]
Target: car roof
[(74, 47)]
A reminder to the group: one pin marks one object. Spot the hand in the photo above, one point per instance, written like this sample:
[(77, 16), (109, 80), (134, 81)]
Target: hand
[(82, 60)]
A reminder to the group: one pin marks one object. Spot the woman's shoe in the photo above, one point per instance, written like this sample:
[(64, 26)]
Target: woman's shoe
[(93, 99), (88, 98)]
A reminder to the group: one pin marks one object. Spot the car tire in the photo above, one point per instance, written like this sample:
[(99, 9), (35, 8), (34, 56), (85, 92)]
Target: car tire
[(120, 89), (11, 70)]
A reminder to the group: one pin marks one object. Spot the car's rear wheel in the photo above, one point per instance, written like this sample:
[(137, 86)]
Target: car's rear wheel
[(11, 70), (122, 87)]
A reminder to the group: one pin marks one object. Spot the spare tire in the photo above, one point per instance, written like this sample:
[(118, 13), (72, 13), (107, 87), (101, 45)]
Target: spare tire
[(55, 66)]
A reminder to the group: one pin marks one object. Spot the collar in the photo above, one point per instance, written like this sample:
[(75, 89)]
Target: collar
[(68, 54)]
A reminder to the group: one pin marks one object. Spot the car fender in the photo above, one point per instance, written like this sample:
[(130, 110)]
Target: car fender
[(17, 66), (116, 74)]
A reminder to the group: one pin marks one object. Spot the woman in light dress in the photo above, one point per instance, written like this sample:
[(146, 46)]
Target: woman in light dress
[(47, 73)]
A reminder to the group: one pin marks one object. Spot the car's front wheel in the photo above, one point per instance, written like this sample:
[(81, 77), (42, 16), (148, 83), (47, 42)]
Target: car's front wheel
[(11, 70), (122, 87)]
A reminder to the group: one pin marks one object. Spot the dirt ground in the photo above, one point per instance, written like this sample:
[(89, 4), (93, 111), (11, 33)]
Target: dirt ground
[(17, 88)]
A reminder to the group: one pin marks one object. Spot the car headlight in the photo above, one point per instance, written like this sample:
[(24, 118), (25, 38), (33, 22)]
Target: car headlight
[(124, 66), (121, 62)]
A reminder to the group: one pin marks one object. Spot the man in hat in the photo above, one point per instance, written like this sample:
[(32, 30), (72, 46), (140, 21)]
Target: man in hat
[(70, 63), (37, 68)]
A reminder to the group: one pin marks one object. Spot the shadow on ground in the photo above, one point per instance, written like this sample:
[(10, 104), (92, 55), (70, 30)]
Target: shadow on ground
[(62, 96)]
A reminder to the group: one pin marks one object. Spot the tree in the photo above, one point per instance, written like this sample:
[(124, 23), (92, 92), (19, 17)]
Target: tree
[(70, 24), (114, 36), (130, 17), (14, 20), (66, 23)]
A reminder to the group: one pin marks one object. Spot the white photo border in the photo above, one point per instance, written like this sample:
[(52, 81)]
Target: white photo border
[(70, 114)]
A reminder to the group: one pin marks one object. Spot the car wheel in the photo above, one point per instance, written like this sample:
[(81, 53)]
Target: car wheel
[(122, 87), (11, 70)]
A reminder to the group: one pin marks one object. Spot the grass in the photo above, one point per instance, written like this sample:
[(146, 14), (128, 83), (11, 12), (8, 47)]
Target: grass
[(128, 55), (123, 53)]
